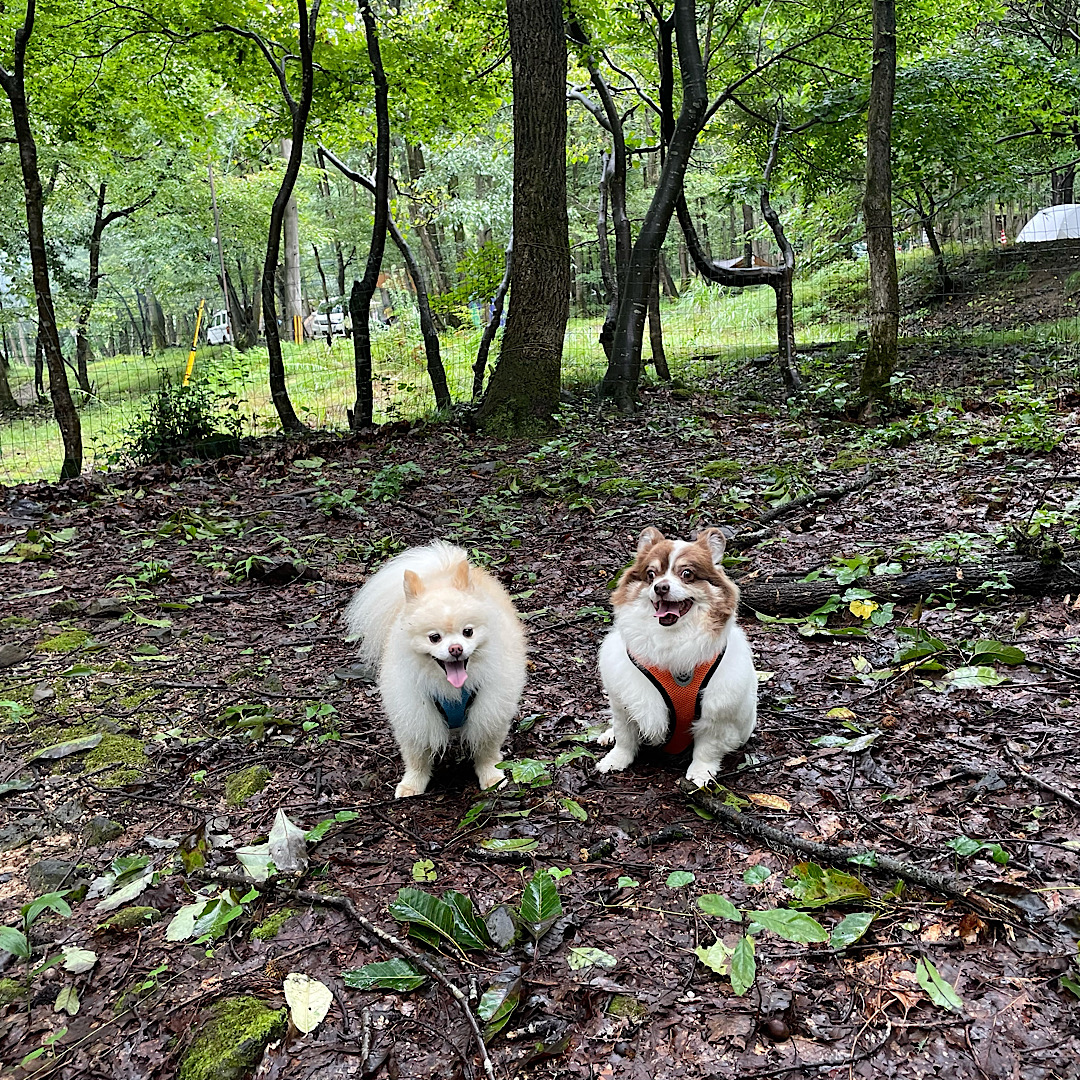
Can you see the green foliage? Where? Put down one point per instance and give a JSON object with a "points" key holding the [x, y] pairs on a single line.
{"points": [[480, 272], [184, 421]]}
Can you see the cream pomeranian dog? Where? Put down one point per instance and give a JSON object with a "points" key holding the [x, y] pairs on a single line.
{"points": [[449, 649], [676, 667]]}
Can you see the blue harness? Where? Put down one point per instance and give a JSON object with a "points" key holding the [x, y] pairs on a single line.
{"points": [[455, 713]]}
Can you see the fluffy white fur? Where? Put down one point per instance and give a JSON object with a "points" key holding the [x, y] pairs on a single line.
{"points": [[639, 714], [427, 592]]}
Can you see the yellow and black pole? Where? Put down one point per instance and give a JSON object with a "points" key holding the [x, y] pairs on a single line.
{"points": [[298, 329], [194, 344]]}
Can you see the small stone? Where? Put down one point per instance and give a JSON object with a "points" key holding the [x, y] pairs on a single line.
{"points": [[243, 785], [48, 874], [105, 607], [776, 1030], [62, 609], [10, 655], [100, 830], [67, 813], [42, 692], [502, 926]]}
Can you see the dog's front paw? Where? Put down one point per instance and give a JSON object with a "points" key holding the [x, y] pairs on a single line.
{"points": [[614, 761], [490, 777], [411, 784], [702, 773], [606, 738]]}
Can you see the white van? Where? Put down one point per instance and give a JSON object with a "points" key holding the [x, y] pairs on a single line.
{"points": [[329, 319], [218, 331]]}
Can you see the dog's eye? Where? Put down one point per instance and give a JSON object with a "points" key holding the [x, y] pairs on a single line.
{"points": [[467, 632], [687, 575], [650, 574], [434, 638]]}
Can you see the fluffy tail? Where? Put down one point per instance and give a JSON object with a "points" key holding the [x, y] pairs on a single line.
{"points": [[371, 613]]}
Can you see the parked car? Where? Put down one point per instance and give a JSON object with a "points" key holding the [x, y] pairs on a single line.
{"points": [[218, 330], [329, 319]]}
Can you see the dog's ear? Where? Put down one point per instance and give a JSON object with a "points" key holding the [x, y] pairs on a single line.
{"points": [[716, 543], [460, 578], [649, 537], [413, 585]]}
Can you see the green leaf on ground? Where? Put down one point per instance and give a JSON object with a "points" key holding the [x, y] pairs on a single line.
{"points": [[790, 925], [394, 974], [715, 904], [937, 989]]}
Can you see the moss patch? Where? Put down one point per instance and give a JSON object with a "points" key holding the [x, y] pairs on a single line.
{"points": [[68, 641], [724, 469], [131, 918], [270, 926], [230, 1045], [11, 990], [627, 1006], [120, 750], [242, 785], [12, 622]]}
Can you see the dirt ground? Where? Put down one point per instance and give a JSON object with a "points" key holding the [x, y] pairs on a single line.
{"points": [[160, 609]]}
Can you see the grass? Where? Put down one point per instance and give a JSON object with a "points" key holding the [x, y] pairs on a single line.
{"points": [[708, 330]]}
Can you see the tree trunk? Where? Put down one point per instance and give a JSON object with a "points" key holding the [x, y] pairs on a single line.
{"points": [[748, 235], [621, 379], [294, 289], [494, 322], [656, 333], [39, 369], [300, 109], [362, 412], [877, 211], [414, 156], [926, 219], [666, 282], [67, 417], [82, 330], [157, 321], [8, 403], [525, 385]]}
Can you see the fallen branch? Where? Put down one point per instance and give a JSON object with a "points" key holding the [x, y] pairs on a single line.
{"points": [[840, 855], [784, 594], [344, 904], [1042, 785], [742, 540]]}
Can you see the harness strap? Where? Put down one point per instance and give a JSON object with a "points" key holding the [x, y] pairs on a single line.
{"points": [[455, 713], [680, 718]]}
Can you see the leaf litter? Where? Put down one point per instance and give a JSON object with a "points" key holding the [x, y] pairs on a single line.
{"points": [[697, 954]]}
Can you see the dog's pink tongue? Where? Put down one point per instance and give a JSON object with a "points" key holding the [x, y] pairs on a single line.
{"points": [[666, 607], [455, 672]]}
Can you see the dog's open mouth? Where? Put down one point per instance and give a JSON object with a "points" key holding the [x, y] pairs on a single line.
{"points": [[669, 612], [455, 671]]}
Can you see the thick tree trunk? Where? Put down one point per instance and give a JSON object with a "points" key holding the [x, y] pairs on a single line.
{"points": [[524, 387], [67, 417], [8, 404], [362, 412], [877, 210], [300, 109], [294, 289], [624, 368]]}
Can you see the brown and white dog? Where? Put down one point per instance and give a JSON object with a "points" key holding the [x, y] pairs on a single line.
{"points": [[676, 667]]}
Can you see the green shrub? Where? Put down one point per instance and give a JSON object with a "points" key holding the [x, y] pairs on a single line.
{"points": [[183, 421]]}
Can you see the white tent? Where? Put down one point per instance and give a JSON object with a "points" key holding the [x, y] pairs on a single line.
{"points": [[1053, 223]]}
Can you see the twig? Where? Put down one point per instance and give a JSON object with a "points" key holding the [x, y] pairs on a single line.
{"points": [[840, 854], [344, 904], [1034, 781], [746, 539]]}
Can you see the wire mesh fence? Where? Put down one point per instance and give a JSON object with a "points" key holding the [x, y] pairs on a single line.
{"points": [[997, 316]]}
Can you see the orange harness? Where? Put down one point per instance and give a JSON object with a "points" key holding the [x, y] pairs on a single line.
{"points": [[682, 696]]}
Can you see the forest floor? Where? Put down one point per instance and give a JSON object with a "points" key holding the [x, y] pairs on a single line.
{"points": [[150, 614]]}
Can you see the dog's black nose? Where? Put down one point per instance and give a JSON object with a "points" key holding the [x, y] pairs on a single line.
{"points": [[662, 588], [455, 651]]}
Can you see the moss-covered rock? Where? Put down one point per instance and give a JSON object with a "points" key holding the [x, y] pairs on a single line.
{"points": [[270, 926], [11, 990], [100, 830], [131, 918], [65, 642], [242, 785], [230, 1045], [128, 754], [628, 1007]]}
